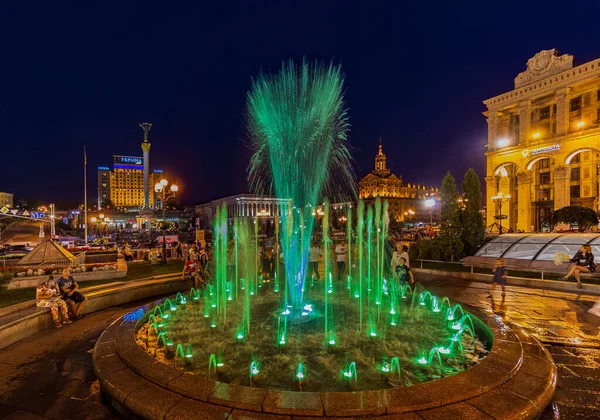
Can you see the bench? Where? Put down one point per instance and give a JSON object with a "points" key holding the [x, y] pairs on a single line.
{"points": [[26, 319]]}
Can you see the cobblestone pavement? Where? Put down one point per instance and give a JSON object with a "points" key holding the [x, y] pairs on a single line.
{"points": [[561, 322], [50, 375]]}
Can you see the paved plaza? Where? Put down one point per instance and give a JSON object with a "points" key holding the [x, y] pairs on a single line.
{"points": [[50, 375]]}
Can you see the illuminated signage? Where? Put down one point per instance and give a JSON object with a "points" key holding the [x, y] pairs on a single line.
{"points": [[129, 160], [545, 149], [158, 171], [103, 168]]}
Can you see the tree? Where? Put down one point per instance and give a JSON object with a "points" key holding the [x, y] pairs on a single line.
{"points": [[472, 226], [583, 217], [449, 205]]}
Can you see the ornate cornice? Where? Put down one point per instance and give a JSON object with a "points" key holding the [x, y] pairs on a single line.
{"points": [[544, 64]]}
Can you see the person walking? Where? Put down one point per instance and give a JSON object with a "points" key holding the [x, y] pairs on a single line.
{"points": [[127, 254], [314, 252], [583, 263], [48, 296], [500, 277], [403, 249], [341, 256], [179, 251]]}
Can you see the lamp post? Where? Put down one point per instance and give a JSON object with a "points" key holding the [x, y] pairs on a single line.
{"points": [[429, 203], [499, 199], [164, 194]]}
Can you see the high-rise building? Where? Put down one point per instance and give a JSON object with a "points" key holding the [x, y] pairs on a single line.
{"points": [[124, 185], [406, 201], [543, 142], [6, 200]]}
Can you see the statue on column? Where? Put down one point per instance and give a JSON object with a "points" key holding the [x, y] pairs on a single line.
{"points": [[146, 127]]}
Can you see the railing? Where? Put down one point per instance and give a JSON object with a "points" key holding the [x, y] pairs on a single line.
{"points": [[542, 273]]}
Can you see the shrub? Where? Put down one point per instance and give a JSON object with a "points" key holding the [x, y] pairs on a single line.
{"points": [[5, 278]]}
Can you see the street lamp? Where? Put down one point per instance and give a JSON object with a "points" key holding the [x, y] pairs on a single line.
{"points": [[161, 190], [429, 203], [499, 199]]}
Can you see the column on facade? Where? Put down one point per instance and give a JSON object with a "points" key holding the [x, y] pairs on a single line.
{"points": [[524, 219], [524, 121], [562, 184], [490, 188], [562, 111]]}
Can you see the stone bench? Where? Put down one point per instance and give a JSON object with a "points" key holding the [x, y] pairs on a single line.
{"points": [[25, 319]]}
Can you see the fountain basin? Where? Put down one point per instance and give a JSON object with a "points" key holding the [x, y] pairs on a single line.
{"points": [[516, 380]]}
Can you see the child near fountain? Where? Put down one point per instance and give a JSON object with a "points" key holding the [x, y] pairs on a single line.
{"points": [[500, 277]]}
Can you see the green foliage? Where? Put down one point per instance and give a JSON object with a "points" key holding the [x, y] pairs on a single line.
{"points": [[584, 217], [471, 221], [5, 278], [166, 225], [446, 247], [449, 205]]}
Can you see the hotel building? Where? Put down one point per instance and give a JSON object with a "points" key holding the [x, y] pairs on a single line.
{"points": [[543, 142], [124, 185], [406, 201]]}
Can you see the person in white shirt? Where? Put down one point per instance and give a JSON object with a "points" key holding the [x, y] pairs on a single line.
{"points": [[341, 256], [314, 252], [404, 254]]}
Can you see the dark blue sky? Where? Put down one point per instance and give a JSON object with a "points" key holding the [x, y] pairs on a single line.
{"points": [[75, 74]]}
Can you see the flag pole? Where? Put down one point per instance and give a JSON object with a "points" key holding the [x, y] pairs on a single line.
{"points": [[85, 223]]}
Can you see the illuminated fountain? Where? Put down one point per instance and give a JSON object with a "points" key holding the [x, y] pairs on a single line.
{"points": [[288, 330]]}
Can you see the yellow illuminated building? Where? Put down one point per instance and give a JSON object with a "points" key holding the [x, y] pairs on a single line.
{"points": [[544, 142], [406, 201], [124, 185]]}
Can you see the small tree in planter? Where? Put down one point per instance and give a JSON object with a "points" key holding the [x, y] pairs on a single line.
{"points": [[583, 217]]}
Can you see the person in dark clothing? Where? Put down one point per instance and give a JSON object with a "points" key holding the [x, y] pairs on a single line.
{"points": [[500, 277], [74, 299], [583, 263]]}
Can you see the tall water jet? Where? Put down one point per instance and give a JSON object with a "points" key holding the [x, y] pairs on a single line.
{"points": [[298, 125]]}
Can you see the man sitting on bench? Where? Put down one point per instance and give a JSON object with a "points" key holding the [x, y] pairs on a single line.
{"points": [[68, 286]]}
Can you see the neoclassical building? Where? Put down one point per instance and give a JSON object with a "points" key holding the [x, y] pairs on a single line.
{"points": [[403, 198], [544, 141]]}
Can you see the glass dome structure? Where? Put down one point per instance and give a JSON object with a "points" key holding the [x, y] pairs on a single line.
{"points": [[538, 246]]}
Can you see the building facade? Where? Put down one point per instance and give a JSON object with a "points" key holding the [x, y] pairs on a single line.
{"points": [[406, 201], [543, 142], [241, 205], [124, 185], [6, 200]]}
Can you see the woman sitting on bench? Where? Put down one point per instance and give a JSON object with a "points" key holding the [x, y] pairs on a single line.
{"points": [[48, 296], [584, 263]]}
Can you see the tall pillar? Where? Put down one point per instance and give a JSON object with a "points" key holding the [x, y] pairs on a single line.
{"points": [[492, 122], [524, 190], [562, 111], [562, 190], [524, 122], [146, 150], [490, 187]]}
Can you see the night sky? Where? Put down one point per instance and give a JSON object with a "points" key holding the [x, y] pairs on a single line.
{"points": [[76, 74]]}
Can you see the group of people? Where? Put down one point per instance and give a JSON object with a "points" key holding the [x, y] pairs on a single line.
{"points": [[61, 296], [196, 266], [582, 262]]}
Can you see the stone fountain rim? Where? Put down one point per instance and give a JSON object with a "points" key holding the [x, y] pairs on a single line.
{"points": [[120, 364]]}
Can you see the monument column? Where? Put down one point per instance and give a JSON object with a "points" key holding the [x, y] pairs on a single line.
{"points": [[562, 190], [525, 180], [146, 149]]}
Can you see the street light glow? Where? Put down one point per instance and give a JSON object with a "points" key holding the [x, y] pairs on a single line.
{"points": [[503, 142], [536, 135], [430, 202], [164, 182]]}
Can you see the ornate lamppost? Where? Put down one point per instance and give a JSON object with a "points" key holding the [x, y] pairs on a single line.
{"points": [[164, 194], [500, 199]]}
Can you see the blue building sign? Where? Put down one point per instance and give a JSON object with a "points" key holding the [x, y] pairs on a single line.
{"points": [[129, 160], [158, 171], [103, 168]]}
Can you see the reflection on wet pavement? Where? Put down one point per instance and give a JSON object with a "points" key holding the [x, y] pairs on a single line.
{"points": [[561, 322]]}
